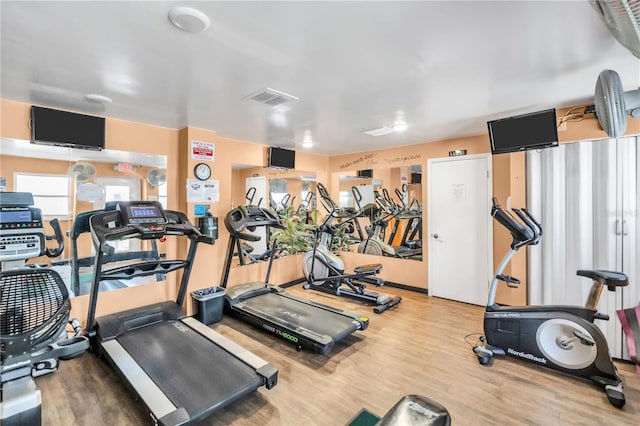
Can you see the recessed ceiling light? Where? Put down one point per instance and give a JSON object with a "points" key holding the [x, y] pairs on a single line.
{"points": [[98, 99], [399, 126], [307, 140], [189, 19], [380, 131]]}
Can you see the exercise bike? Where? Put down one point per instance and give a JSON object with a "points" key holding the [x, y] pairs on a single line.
{"points": [[324, 270], [562, 338], [34, 310]]}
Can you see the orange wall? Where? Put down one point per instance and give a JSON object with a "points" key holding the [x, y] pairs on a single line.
{"points": [[123, 135]]}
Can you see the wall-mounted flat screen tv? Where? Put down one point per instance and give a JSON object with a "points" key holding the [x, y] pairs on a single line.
{"points": [[365, 173], [282, 158], [62, 128], [522, 132]]}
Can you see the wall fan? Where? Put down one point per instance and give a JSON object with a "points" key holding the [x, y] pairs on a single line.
{"points": [[156, 177], [613, 103], [622, 17], [82, 171]]}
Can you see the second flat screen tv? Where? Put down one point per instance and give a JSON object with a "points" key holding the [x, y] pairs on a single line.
{"points": [[282, 158], [523, 132]]}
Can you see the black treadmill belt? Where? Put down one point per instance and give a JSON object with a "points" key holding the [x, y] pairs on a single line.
{"points": [[299, 314], [192, 371]]}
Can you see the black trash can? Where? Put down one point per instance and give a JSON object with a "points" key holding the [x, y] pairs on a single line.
{"points": [[208, 304]]}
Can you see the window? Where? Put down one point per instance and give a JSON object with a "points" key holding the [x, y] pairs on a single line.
{"points": [[50, 192], [162, 195], [278, 188], [346, 199]]}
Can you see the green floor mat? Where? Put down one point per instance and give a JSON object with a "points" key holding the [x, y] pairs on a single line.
{"points": [[364, 418]]}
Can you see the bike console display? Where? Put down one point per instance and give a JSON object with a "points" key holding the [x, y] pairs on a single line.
{"points": [[21, 233]]}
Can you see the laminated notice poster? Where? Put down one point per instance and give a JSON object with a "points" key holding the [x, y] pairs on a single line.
{"points": [[198, 191]]}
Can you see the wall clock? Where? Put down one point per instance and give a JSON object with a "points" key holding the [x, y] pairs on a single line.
{"points": [[202, 171]]}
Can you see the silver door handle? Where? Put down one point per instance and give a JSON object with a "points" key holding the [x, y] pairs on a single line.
{"points": [[625, 231], [618, 231]]}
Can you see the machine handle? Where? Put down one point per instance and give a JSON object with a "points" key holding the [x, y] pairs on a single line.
{"points": [[400, 196], [285, 201], [251, 192], [528, 222], [357, 196], [322, 190], [58, 237], [521, 233], [625, 231], [534, 220], [618, 231]]}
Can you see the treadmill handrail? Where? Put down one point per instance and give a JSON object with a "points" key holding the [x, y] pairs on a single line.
{"points": [[107, 226]]}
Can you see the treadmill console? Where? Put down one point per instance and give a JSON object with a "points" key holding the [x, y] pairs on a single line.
{"points": [[146, 217], [21, 233], [142, 213], [143, 220], [248, 217]]}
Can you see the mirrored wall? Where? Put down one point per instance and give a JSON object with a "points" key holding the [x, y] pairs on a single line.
{"points": [[287, 192], [68, 183], [387, 203]]}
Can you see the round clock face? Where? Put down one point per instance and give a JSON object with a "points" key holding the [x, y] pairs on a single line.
{"points": [[202, 171]]}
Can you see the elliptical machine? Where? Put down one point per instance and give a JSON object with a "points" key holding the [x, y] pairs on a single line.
{"points": [[324, 270], [34, 310], [562, 338]]}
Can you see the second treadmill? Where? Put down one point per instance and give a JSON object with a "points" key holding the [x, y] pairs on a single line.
{"points": [[306, 324]]}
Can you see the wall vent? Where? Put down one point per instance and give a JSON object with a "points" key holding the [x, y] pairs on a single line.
{"points": [[379, 131], [270, 97]]}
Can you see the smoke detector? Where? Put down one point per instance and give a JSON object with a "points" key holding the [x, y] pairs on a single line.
{"points": [[270, 97], [189, 19]]}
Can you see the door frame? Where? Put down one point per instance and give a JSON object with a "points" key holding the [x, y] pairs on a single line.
{"points": [[431, 209]]}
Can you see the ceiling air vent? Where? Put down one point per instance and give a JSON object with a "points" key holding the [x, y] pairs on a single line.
{"points": [[379, 131], [270, 97]]}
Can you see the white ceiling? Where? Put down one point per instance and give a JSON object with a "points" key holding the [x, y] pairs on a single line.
{"points": [[448, 67]]}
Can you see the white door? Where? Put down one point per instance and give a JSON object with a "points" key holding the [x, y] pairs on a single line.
{"points": [[460, 228], [261, 197]]}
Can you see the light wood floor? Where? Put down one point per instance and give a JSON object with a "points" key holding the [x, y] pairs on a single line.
{"points": [[418, 348]]}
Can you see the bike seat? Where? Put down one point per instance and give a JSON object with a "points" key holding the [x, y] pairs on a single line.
{"points": [[371, 267], [611, 279]]}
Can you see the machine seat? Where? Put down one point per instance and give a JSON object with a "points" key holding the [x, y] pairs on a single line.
{"points": [[611, 279]]}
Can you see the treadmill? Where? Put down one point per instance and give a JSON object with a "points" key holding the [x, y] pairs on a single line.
{"points": [[180, 369], [306, 324]]}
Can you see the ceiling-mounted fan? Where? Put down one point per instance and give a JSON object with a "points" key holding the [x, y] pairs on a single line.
{"points": [[622, 17], [613, 103]]}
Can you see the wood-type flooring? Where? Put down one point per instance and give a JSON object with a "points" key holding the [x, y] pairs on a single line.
{"points": [[417, 348]]}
